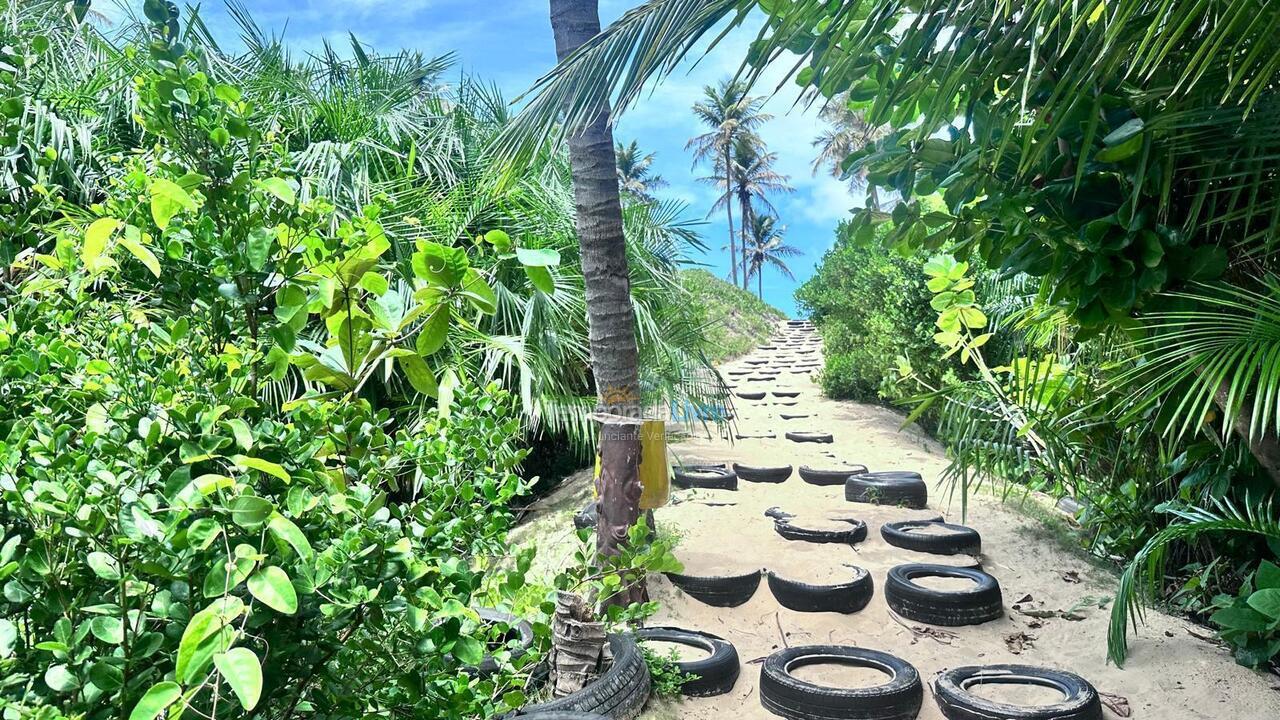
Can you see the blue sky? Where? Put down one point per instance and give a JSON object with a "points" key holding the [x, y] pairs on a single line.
{"points": [[509, 43]]}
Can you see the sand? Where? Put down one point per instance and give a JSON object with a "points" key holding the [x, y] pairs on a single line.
{"points": [[1170, 674]]}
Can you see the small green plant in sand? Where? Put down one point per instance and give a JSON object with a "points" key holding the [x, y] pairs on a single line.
{"points": [[664, 673]]}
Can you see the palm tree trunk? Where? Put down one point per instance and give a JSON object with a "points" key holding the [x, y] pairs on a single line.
{"points": [[610, 315], [745, 199], [760, 282], [728, 209]]}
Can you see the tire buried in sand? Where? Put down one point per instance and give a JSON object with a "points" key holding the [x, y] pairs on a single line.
{"points": [[718, 590], [951, 540], [781, 693], [713, 675], [619, 693], [894, 487], [709, 477], [752, 473], [975, 604], [838, 476], [795, 530], [805, 436], [952, 691], [845, 597]]}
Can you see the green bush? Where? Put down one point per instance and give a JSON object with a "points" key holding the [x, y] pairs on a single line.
{"points": [[872, 307]]}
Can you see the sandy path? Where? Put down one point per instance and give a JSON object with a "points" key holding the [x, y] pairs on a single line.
{"points": [[1170, 675]]}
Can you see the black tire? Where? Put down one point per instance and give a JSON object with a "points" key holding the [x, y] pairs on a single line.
{"points": [[756, 436], [777, 513], [958, 540], [718, 591], [563, 715], [951, 690], [972, 606], [791, 530], [619, 693], [751, 395], [896, 487], [846, 597], [712, 675], [586, 517], [763, 474], [807, 436], [814, 476], [783, 694], [793, 416], [786, 393], [711, 477]]}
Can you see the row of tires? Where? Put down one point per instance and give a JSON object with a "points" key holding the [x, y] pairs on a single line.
{"points": [[941, 538], [978, 602], [891, 487], [621, 691]]}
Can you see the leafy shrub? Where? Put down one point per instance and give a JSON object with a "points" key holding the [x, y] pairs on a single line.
{"points": [[664, 673], [1250, 621], [872, 307]]}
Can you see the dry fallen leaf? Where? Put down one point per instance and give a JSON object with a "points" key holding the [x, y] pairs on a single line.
{"points": [[1117, 703], [1019, 641]]}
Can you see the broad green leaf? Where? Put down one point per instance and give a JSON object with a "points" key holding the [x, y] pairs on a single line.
{"points": [[499, 240], [204, 625], [95, 242], [1123, 133], [375, 283], [468, 650], [1266, 602], [8, 637], [439, 264], [211, 483], [266, 466], [284, 528], [103, 565], [227, 93], [240, 430], [420, 376], [258, 245], [541, 279], [108, 629], [538, 257], [203, 532], [1240, 618], [226, 575], [243, 673], [168, 199], [477, 290], [271, 586], [106, 676], [1268, 576], [280, 188], [250, 510], [434, 333], [131, 240], [158, 697], [60, 679]]}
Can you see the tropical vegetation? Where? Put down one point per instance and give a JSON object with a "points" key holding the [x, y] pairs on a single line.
{"points": [[1106, 161]]}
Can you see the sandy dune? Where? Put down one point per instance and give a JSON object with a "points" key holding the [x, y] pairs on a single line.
{"points": [[1170, 675]]}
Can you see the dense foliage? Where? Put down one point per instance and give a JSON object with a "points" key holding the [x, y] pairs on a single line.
{"points": [[872, 307], [271, 334]]}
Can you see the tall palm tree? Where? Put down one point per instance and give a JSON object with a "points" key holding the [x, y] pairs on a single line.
{"points": [[767, 248], [733, 117], [750, 180], [611, 319], [848, 132], [635, 171]]}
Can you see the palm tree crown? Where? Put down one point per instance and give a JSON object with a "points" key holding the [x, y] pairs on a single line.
{"points": [[635, 172], [733, 117], [767, 248]]}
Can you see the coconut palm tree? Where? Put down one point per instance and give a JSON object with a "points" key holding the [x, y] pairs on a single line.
{"points": [[751, 180], [767, 248], [848, 132], [611, 318], [732, 117], [635, 172]]}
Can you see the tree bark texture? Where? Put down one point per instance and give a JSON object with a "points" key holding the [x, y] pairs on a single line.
{"points": [[610, 316], [728, 209], [1265, 447]]}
